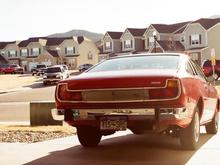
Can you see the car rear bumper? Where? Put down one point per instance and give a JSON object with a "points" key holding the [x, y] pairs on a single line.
{"points": [[165, 116]]}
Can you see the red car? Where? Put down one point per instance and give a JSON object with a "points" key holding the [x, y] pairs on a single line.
{"points": [[7, 69], [208, 68], [146, 93]]}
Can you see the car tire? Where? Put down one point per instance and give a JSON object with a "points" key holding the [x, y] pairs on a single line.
{"points": [[189, 136], [88, 136], [212, 127]]}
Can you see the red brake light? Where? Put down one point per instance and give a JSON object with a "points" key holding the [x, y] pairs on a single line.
{"points": [[65, 95], [170, 91]]}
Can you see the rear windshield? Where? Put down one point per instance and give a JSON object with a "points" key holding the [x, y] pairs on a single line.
{"points": [[138, 62], [207, 63], [53, 70], [13, 65], [41, 66]]}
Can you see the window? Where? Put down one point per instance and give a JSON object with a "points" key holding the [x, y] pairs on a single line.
{"points": [[195, 39], [108, 46], [182, 39], [24, 52], [70, 50], [90, 56], [35, 51], [150, 41], [12, 53], [128, 44]]}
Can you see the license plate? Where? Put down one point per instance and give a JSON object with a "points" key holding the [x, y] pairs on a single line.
{"points": [[113, 123]]}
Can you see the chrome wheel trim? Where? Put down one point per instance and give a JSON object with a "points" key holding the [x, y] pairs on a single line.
{"points": [[216, 120], [196, 127]]}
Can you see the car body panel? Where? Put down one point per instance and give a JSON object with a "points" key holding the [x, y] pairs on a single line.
{"points": [[193, 91]]}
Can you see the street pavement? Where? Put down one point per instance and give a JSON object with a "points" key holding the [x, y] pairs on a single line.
{"points": [[123, 148]]}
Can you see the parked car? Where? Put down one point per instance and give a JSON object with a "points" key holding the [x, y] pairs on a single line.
{"points": [[54, 74], [7, 69], [66, 69], [39, 69], [17, 68], [146, 93], [208, 68], [84, 67]]}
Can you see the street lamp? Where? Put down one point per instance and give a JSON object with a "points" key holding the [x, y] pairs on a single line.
{"points": [[155, 40]]}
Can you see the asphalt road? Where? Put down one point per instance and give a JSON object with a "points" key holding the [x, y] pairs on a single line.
{"points": [[123, 148], [37, 92]]}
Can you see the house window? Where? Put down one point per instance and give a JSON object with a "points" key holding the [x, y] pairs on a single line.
{"points": [[182, 39], [12, 53], [108, 46], [70, 50], [128, 44], [195, 39], [90, 56], [150, 41], [24, 52], [35, 51]]}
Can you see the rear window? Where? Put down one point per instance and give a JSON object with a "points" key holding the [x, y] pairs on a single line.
{"points": [[207, 63], [53, 70], [138, 62], [41, 66]]}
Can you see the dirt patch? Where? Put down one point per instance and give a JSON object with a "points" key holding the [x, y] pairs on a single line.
{"points": [[26, 134]]}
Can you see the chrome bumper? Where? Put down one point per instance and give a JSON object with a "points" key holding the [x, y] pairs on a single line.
{"points": [[164, 114]]}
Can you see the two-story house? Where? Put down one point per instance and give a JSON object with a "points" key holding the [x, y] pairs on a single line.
{"points": [[111, 45], [161, 37], [132, 40], [32, 52], [73, 51], [200, 37]]}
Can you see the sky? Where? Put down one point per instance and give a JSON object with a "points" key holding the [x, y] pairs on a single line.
{"points": [[21, 19]]}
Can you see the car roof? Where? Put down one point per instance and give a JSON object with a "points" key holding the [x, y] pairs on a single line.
{"points": [[149, 54]]}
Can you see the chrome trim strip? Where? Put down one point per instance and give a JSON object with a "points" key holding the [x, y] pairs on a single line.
{"points": [[115, 101]]}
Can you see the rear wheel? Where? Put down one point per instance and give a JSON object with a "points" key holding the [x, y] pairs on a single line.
{"points": [[212, 127], [88, 136], [189, 136]]}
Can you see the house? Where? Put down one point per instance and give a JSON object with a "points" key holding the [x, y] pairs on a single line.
{"points": [[132, 40], [111, 45], [200, 37], [72, 51], [166, 36]]}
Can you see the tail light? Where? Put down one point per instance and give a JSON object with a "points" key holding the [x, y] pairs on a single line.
{"points": [[171, 90], [65, 95]]}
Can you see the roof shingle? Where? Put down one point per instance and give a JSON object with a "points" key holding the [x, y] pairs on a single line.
{"points": [[137, 32], [115, 35]]}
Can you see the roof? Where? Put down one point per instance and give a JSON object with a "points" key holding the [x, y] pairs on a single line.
{"points": [[207, 22], [137, 32], [171, 45], [3, 60], [4, 44], [56, 41], [25, 43], [115, 35], [197, 48], [54, 53], [80, 39], [169, 28]]}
